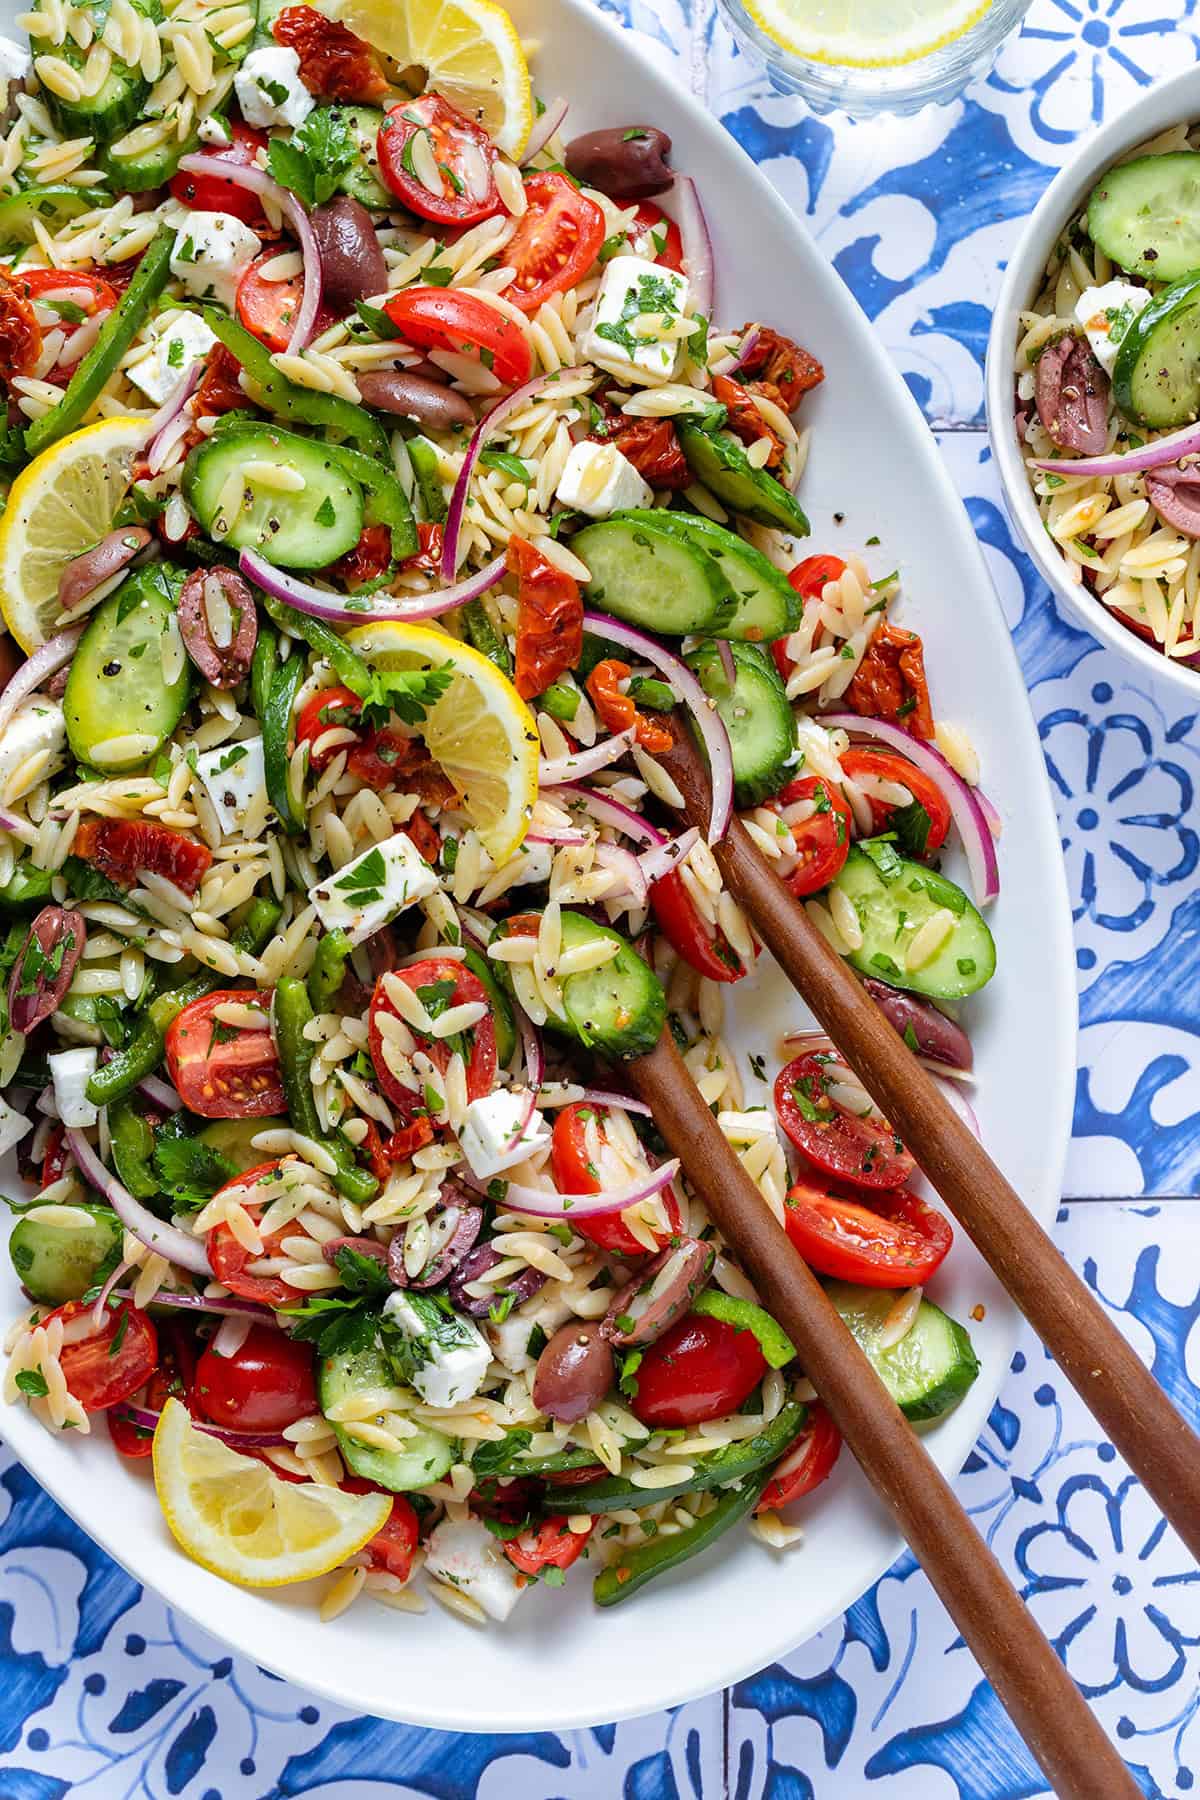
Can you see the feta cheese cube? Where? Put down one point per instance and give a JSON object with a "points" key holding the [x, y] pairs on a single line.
{"points": [[211, 251], [269, 89], [365, 894], [488, 1127], [464, 1554], [213, 130], [510, 1338], [15, 60], [442, 1355], [1106, 313], [600, 481], [12, 1127], [70, 1071], [636, 298], [184, 341], [234, 775], [36, 725]]}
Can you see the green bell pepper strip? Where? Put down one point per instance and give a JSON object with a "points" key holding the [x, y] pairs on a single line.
{"points": [[424, 459], [346, 663], [290, 1014], [560, 701], [276, 725], [503, 1018], [262, 667], [743, 1315], [145, 1050], [486, 638], [634, 1568], [644, 690], [299, 406], [116, 335], [557, 1463], [733, 1463], [386, 502], [132, 1143], [328, 969]]}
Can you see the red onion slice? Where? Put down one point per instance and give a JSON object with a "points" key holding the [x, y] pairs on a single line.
{"points": [[18, 827], [627, 866], [603, 1097], [338, 610], [553, 772], [54, 654], [614, 813], [177, 1246], [170, 410], [535, 1069], [540, 1204], [160, 1092], [729, 365], [227, 1307], [1169, 449], [957, 1100], [544, 129], [965, 806], [708, 721], [556, 834], [146, 1420], [260, 183], [698, 261], [663, 858]]}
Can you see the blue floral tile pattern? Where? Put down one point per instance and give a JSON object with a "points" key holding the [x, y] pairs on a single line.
{"points": [[111, 1696]]}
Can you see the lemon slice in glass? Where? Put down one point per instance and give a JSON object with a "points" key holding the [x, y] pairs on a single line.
{"points": [[866, 34]]}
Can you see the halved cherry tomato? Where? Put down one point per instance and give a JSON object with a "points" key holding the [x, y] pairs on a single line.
{"points": [[174, 1378], [323, 711], [655, 238], [215, 192], [228, 1257], [394, 1545], [575, 1173], [111, 1364], [806, 1465], [222, 1071], [266, 1385], [704, 946], [441, 983], [896, 1242], [822, 840], [808, 578], [556, 241], [888, 765], [409, 1138], [444, 319], [381, 757], [464, 154], [219, 391], [90, 294], [700, 1369], [550, 1545], [122, 848], [864, 1152], [269, 308], [549, 618], [55, 1157]]}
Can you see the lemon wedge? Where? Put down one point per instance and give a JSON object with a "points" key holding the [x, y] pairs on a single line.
{"points": [[233, 1516], [470, 52], [479, 730], [59, 507], [866, 34]]}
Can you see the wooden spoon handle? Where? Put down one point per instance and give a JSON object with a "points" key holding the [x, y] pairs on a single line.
{"points": [[1032, 1684], [1158, 1444]]}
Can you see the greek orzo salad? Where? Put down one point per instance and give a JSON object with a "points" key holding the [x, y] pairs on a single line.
{"points": [[385, 494]]}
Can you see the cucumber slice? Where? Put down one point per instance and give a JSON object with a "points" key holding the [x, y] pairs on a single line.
{"points": [[619, 1008], [268, 12], [929, 1370], [138, 171], [304, 530], [719, 460], [893, 898], [117, 688], [231, 1138], [1157, 374], [646, 573], [425, 1457], [1145, 215], [757, 715], [361, 180], [52, 207], [57, 1264], [768, 606]]}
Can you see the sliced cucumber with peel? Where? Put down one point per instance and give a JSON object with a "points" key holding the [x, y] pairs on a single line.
{"points": [[52, 207], [755, 712], [619, 1008], [1156, 378], [361, 180], [307, 529], [1145, 215], [56, 1263], [892, 899], [117, 688], [768, 606], [425, 1457], [719, 461], [929, 1370], [645, 572]]}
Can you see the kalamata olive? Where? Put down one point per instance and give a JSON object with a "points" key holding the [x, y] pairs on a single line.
{"points": [[430, 403], [474, 1267], [83, 574], [1174, 493], [453, 1231], [659, 1295], [362, 1246], [219, 625], [1072, 396], [43, 971], [10, 661], [574, 1372], [625, 162], [923, 1027], [352, 265]]}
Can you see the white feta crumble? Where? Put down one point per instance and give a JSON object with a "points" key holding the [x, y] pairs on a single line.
{"points": [[233, 775], [599, 480], [1106, 313], [464, 1554], [213, 130], [488, 1127], [12, 1127], [37, 724], [70, 1071], [363, 895], [269, 89], [509, 1338], [443, 1356], [185, 341], [636, 298], [15, 61], [211, 252]]}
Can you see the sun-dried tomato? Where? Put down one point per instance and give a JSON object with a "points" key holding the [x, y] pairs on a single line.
{"points": [[20, 333], [779, 369], [334, 64], [122, 848], [652, 446], [424, 837], [745, 420], [549, 618], [370, 558], [890, 682], [619, 712], [388, 759], [219, 391], [428, 559]]}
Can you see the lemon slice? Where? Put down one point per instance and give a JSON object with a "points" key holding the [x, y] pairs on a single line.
{"points": [[60, 506], [479, 730], [866, 34], [469, 50], [233, 1516]]}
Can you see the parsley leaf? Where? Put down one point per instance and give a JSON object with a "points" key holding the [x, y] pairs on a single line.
{"points": [[33, 1383], [497, 1457], [313, 160], [189, 1172], [409, 693], [364, 879], [361, 1274]]}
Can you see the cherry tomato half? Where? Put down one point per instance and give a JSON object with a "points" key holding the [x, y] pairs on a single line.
{"points": [[822, 840], [215, 192], [704, 946], [550, 1545], [896, 1242], [122, 848], [806, 1465], [656, 238], [266, 1385], [441, 983], [443, 319], [222, 1071], [228, 1256], [887, 765], [575, 1173], [394, 1545], [174, 1378], [863, 1152], [90, 294], [556, 241], [322, 712], [269, 308], [462, 152], [810, 577], [111, 1364], [700, 1369]]}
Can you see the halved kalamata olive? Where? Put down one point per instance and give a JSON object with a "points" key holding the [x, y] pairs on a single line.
{"points": [[474, 1267], [625, 162], [362, 1246], [1174, 493], [352, 265], [664, 1290], [43, 971], [925, 1030], [1072, 396], [10, 661], [430, 403], [219, 625], [453, 1231], [573, 1373], [83, 574]]}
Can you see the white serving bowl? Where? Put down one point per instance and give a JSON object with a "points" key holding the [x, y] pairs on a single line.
{"points": [[1166, 104]]}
